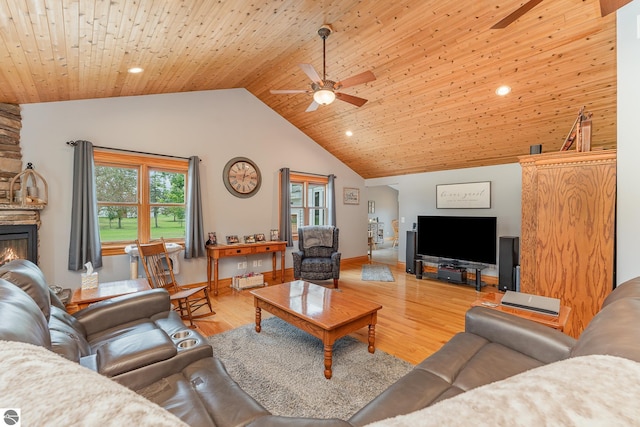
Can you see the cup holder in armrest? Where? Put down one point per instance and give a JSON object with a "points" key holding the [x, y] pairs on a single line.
{"points": [[181, 334], [188, 343]]}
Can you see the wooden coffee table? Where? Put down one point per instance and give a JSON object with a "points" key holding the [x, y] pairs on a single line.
{"points": [[82, 298], [324, 313]]}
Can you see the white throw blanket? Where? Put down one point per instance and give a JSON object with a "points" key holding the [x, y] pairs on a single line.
{"points": [[582, 391], [49, 390], [318, 236]]}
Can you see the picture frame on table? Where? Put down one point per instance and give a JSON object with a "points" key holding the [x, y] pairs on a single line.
{"points": [[274, 235], [232, 239], [212, 239], [351, 196], [260, 237], [251, 238]]}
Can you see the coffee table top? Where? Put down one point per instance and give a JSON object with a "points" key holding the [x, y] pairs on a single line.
{"points": [[325, 307]]}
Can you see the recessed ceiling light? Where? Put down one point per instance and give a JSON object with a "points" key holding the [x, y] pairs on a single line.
{"points": [[135, 70], [503, 90], [349, 133]]}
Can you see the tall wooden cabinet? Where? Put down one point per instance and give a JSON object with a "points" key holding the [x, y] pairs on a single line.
{"points": [[568, 230]]}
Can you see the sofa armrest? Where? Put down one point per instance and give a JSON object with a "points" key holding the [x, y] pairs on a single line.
{"points": [[525, 336], [123, 309], [133, 352]]}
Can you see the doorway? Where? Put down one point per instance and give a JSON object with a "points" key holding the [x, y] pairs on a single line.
{"points": [[383, 211]]}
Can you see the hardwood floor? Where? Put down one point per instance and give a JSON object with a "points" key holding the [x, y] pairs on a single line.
{"points": [[417, 318]]}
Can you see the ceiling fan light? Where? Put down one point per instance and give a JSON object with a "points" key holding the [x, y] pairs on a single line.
{"points": [[324, 96]]}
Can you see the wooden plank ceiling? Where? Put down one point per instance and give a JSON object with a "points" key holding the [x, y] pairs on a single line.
{"points": [[437, 63]]}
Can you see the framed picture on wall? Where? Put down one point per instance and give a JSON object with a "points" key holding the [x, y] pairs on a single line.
{"points": [[351, 196]]}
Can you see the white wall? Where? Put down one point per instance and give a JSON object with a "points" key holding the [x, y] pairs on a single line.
{"points": [[417, 196], [214, 125], [628, 209]]}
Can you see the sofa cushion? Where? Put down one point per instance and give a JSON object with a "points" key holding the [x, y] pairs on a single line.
{"points": [[613, 331], [28, 277], [20, 317], [204, 394], [465, 362]]}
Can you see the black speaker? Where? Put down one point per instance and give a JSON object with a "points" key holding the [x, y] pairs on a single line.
{"points": [[535, 149], [507, 263], [410, 255], [418, 269]]}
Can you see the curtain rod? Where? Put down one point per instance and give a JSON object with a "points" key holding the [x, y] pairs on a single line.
{"points": [[74, 143], [311, 173]]}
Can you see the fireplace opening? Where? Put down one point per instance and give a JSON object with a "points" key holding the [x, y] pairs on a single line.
{"points": [[18, 242]]}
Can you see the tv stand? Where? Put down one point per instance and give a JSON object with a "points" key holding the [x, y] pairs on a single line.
{"points": [[452, 273], [456, 272]]}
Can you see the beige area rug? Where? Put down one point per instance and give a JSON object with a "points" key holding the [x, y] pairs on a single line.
{"points": [[282, 367], [377, 273]]}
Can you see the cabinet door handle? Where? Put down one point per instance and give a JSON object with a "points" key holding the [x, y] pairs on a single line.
{"points": [[238, 251], [268, 248]]}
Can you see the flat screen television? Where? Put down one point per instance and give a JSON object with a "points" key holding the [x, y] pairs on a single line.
{"points": [[458, 238]]}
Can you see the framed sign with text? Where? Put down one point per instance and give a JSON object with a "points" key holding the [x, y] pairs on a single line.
{"points": [[471, 195]]}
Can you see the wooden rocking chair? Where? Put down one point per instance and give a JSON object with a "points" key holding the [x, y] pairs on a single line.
{"points": [[159, 271]]}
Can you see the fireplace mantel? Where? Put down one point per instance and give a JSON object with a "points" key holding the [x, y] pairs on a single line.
{"points": [[19, 215]]}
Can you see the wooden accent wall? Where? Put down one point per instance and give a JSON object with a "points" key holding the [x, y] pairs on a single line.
{"points": [[10, 154], [568, 230]]}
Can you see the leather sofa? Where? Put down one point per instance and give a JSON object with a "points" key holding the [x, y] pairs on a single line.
{"points": [[135, 340], [495, 348]]}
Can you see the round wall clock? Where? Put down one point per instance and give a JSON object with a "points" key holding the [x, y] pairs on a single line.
{"points": [[242, 177]]}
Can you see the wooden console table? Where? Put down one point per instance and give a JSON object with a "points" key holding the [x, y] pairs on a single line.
{"points": [[492, 300], [214, 253]]}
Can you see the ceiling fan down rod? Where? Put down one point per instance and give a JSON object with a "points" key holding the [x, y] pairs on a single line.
{"points": [[324, 32]]}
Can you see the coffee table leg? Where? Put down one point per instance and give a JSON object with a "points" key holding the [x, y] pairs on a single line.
{"points": [[328, 354], [372, 338], [258, 319]]}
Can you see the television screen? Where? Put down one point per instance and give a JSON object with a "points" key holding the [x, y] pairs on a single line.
{"points": [[460, 238]]}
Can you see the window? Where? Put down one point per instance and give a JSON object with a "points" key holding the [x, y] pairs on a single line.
{"points": [[139, 197], [308, 201]]}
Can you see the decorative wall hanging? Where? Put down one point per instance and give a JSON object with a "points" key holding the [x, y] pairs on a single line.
{"points": [[351, 196], [472, 195]]}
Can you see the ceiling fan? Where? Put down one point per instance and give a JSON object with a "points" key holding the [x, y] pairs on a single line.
{"points": [[326, 91], [606, 7]]}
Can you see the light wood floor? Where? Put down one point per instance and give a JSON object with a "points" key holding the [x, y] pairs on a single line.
{"points": [[417, 318]]}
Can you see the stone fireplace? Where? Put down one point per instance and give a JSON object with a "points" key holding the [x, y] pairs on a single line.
{"points": [[18, 234]]}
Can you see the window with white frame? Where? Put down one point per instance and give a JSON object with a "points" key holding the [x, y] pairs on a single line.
{"points": [[308, 201]]}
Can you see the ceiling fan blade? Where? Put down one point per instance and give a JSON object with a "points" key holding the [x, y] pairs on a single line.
{"points": [[358, 102], [276, 91], [358, 79], [609, 6], [312, 73], [312, 107], [516, 14]]}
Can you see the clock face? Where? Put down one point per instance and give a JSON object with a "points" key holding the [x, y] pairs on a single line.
{"points": [[241, 177]]}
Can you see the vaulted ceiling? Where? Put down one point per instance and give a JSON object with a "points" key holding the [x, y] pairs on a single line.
{"points": [[432, 107]]}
